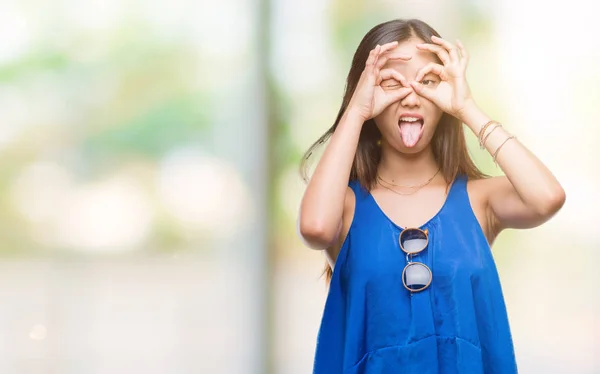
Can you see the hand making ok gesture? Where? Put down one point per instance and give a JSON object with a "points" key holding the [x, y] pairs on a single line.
{"points": [[451, 93]]}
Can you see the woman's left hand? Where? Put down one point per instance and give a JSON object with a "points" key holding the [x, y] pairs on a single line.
{"points": [[451, 93]]}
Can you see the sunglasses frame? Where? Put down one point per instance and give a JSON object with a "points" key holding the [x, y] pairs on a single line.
{"points": [[409, 257]]}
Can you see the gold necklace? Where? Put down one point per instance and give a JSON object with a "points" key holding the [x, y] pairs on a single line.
{"points": [[404, 186], [398, 192]]}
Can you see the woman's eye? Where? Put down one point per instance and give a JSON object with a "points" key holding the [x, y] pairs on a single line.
{"points": [[427, 82], [390, 84]]}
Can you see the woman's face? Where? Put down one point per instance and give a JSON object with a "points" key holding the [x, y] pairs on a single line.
{"points": [[408, 125]]}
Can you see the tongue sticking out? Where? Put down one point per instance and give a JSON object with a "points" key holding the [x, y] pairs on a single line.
{"points": [[411, 132]]}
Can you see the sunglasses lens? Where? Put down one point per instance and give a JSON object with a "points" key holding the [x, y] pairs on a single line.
{"points": [[413, 241], [417, 276]]}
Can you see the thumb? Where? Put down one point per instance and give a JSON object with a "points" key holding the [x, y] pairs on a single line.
{"points": [[426, 92]]}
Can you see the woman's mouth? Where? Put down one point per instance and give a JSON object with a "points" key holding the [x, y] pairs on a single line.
{"points": [[411, 129]]}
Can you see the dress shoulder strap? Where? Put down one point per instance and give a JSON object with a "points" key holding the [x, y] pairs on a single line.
{"points": [[458, 196], [359, 190], [361, 195]]}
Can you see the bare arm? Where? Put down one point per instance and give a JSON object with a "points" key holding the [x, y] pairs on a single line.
{"points": [[322, 207], [529, 194]]}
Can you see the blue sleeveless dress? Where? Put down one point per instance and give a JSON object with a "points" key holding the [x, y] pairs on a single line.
{"points": [[372, 325]]}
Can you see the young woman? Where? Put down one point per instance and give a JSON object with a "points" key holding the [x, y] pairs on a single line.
{"points": [[406, 219]]}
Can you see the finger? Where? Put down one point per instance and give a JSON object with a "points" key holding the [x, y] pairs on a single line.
{"points": [[372, 56], [377, 55], [431, 67], [463, 52], [439, 51], [382, 50], [391, 56], [452, 51], [392, 74], [421, 90], [397, 95], [386, 47]]}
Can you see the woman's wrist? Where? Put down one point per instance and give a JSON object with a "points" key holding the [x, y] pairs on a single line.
{"points": [[473, 117], [352, 116]]}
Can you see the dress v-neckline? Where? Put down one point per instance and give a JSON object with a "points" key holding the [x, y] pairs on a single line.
{"points": [[424, 225]]}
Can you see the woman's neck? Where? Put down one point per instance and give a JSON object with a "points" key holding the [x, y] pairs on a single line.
{"points": [[399, 167]]}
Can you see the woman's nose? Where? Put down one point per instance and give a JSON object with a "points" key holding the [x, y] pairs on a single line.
{"points": [[412, 100]]}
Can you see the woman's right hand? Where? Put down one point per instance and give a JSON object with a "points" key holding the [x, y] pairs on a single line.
{"points": [[369, 98]]}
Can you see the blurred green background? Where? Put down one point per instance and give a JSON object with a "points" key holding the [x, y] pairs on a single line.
{"points": [[149, 180]]}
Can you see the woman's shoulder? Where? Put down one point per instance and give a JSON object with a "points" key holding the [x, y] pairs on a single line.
{"points": [[481, 188], [477, 189]]}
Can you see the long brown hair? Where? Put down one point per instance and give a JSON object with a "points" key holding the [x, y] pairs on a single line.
{"points": [[448, 143]]}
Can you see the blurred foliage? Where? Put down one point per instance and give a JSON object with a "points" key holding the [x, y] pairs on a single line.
{"points": [[127, 95], [35, 61], [151, 132]]}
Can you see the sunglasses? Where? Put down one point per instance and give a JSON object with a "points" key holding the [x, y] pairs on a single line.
{"points": [[416, 276]]}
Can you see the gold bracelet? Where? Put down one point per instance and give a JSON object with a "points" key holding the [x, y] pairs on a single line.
{"points": [[482, 131], [488, 134], [500, 146]]}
